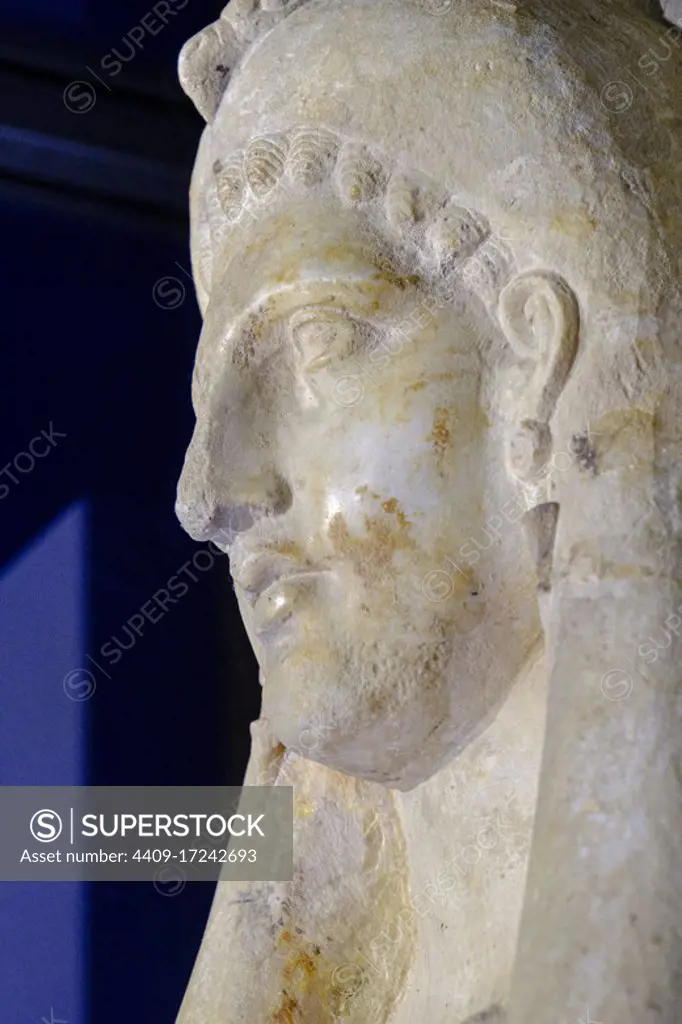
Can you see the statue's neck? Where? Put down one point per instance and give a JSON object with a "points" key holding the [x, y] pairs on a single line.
{"points": [[468, 833], [445, 873]]}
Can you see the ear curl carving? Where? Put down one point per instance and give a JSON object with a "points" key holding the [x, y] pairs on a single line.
{"points": [[540, 318]]}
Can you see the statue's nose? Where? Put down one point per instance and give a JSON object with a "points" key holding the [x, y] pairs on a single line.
{"points": [[225, 487], [198, 510], [197, 506]]}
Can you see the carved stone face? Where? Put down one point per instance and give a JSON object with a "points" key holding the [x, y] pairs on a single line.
{"points": [[353, 431], [349, 455]]}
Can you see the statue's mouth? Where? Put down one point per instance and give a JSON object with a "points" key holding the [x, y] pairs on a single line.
{"points": [[255, 571], [272, 586], [276, 604]]}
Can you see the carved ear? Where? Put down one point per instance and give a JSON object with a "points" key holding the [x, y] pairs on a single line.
{"points": [[540, 317]]}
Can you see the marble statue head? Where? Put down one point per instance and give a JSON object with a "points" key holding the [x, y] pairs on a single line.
{"points": [[425, 291]]}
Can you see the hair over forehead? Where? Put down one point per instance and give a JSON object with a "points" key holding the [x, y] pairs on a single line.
{"points": [[507, 111]]}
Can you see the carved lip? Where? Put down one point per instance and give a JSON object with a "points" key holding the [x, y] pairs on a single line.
{"points": [[276, 603], [272, 585], [260, 570]]}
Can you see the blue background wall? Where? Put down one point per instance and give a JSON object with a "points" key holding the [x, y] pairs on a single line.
{"points": [[89, 535]]}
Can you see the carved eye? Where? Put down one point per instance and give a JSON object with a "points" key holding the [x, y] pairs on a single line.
{"points": [[322, 336]]}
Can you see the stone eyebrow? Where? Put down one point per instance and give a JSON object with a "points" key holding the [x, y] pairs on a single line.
{"points": [[245, 327], [310, 312], [302, 310]]}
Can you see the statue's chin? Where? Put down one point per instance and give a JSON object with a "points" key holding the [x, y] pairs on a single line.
{"points": [[391, 708], [399, 748], [402, 771]]}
